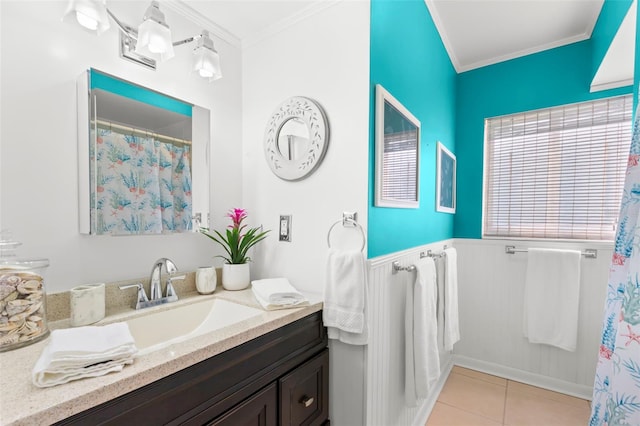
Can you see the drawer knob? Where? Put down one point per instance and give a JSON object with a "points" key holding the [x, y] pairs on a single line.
{"points": [[306, 401]]}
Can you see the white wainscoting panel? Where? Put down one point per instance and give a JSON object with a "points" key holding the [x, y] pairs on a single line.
{"points": [[491, 300], [385, 353]]}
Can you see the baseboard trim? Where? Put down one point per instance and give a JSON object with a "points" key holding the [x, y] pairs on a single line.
{"points": [[550, 383], [427, 406]]}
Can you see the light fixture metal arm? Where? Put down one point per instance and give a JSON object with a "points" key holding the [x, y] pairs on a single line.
{"points": [[124, 28], [186, 40]]}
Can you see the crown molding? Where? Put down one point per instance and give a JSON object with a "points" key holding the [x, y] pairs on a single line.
{"points": [[281, 25], [197, 18], [536, 49], [462, 67], [435, 16]]}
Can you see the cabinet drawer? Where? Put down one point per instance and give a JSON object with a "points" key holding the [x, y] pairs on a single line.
{"points": [[304, 393], [260, 409]]}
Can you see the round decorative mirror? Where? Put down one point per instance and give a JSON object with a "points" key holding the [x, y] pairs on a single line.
{"points": [[296, 138]]}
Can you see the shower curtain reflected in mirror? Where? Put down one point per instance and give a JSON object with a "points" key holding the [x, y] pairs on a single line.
{"points": [[616, 393], [142, 184]]}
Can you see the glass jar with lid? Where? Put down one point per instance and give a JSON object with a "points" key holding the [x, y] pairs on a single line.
{"points": [[22, 297]]}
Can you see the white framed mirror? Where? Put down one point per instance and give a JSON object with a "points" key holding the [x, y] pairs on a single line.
{"points": [[143, 159], [397, 140], [296, 138]]}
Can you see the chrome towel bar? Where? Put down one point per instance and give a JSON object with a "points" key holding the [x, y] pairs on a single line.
{"points": [[587, 253], [397, 267]]}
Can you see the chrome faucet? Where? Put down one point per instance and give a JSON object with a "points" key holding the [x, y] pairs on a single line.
{"points": [[156, 275], [156, 289]]}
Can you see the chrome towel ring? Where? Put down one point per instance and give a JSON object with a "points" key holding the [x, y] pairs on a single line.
{"points": [[347, 223]]}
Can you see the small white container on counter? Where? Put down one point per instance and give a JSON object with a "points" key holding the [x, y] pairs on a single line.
{"points": [[206, 279], [87, 304]]}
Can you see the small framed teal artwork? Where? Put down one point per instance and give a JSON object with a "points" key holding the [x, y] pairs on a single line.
{"points": [[445, 180]]}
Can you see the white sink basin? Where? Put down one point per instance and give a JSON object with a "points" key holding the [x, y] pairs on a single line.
{"points": [[163, 328]]}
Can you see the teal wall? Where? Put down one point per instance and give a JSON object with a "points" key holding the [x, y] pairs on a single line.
{"points": [[550, 78], [609, 20], [120, 87], [410, 61]]}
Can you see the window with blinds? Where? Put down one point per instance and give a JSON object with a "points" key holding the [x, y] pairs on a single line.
{"points": [[397, 136], [400, 166], [557, 173]]}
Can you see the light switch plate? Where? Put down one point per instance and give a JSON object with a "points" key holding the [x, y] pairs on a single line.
{"points": [[285, 228]]}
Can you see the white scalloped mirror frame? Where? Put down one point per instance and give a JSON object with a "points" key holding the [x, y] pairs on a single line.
{"points": [[303, 163]]}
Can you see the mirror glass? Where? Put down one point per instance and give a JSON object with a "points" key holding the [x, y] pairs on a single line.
{"points": [[296, 138], [143, 159], [397, 134], [293, 139]]}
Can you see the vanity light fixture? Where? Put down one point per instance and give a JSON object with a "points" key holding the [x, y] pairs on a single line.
{"points": [[151, 42], [90, 14], [206, 60], [154, 35]]}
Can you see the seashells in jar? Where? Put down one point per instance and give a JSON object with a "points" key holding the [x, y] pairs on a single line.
{"points": [[21, 308]]}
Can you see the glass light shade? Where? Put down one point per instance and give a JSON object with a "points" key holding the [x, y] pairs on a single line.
{"points": [[207, 63], [90, 14], [154, 40]]}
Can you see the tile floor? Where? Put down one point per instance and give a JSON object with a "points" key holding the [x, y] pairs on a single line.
{"points": [[471, 398]]}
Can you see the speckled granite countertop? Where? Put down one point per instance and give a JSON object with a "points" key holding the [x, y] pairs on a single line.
{"points": [[22, 403]]}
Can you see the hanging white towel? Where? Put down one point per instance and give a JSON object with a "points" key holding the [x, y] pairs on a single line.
{"points": [[81, 352], [345, 295], [451, 326], [277, 293], [422, 361], [551, 297]]}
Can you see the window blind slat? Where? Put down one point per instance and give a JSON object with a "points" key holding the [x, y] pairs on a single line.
{"points": [[558, 172], [399, 164]]}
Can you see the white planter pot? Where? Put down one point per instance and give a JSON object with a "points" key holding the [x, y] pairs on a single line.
{"points": [[206, 279], [236, 276]]}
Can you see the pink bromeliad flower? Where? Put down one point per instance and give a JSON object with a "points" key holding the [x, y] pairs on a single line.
{"points": [[237, 216], [237, 239]]}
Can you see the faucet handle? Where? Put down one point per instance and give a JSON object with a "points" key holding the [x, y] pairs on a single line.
{"points": [[170, 266], [142, 296], [171, 292]]}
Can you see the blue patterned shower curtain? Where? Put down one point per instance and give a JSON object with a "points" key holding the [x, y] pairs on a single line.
{"points": [[616, 393], [143, 186]]}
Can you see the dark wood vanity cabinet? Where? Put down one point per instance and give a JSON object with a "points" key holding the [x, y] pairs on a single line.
{"points": [[304, 393], [260, 409], [280, 378]]}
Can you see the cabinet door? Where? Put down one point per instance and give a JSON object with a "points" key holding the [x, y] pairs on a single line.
{"points": [[304, 393], [257, 410]]}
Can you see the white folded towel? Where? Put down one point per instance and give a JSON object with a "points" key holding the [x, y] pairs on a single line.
{"points": [[552, 293], [277, 293], [422, 361], [80, 352], [345, 295], [451, 326]]}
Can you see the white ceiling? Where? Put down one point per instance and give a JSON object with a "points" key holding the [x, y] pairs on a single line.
{"points": [[616, 69], [475, 33], [483, 32]]}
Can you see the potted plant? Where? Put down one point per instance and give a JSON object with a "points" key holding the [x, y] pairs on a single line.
{"points": [[236, 242]]}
